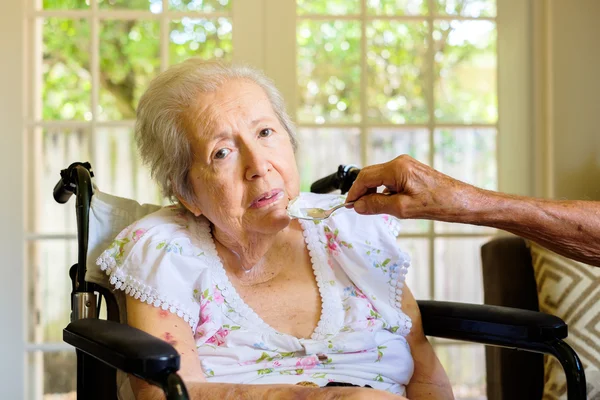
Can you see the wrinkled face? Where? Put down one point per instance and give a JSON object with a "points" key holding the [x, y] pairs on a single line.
{"points": [[244, 171]]}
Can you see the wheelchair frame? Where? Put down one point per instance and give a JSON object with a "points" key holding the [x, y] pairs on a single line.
{"points": [[104, 346]]}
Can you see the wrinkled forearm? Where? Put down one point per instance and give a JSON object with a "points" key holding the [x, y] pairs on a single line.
{"points": [[569, 228], [430, 392], [224, 391]]}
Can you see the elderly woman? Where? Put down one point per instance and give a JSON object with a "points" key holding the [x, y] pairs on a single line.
{"points": [[259, 305]]}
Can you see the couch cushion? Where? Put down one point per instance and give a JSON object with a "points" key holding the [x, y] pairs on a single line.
{"points": [[571, 291]]}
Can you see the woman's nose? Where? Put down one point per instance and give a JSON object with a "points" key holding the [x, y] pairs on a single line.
{"points": [[257, 163]]}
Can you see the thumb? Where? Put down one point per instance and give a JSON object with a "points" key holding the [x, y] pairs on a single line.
{"points": [[377, 203]]}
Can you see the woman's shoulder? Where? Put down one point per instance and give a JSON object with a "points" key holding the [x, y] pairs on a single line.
{"points": [[171, 229], [163, 259], [170, 224], [167, 221]]}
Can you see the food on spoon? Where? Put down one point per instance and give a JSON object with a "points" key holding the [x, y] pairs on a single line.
{"points": [[293, 210]]}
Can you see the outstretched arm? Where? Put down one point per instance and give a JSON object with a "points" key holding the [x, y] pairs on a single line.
{"points": [[570, 228]]}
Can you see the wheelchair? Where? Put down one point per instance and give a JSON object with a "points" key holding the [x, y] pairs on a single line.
{"points": [[105, 346]]}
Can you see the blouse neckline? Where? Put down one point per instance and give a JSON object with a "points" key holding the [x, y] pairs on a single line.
{"points": [[332, 315]]}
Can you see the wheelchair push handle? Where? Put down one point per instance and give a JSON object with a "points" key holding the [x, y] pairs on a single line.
{"points": [[77, 179], [68, 183], [342, 180], [63, 191]]}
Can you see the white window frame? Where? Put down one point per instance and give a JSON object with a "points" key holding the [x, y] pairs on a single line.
{"points": [[263, 35], [514, 139]]}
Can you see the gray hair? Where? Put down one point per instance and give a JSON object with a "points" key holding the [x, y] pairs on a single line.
{"points": [[163, 121]]}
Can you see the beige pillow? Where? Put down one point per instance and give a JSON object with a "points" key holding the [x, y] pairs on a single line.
{"points": [[571, 291]]}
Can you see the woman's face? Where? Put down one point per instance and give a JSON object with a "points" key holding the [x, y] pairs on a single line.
{"points": [[244, 171]]}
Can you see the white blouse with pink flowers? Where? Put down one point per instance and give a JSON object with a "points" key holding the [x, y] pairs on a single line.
{"points": [[169, 259]]}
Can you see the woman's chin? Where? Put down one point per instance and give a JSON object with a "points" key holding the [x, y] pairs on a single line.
{"points": [[280, 218], [274, 221]]}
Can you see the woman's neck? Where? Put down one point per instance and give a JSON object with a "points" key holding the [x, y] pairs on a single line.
{"points": [[248, 258]]}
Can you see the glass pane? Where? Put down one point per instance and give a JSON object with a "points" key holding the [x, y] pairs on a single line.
{"points": [[470, 156], [66, 80], [119, 170], [465, 366], [417, 277], [328, 7], [397, 72], [398, 7], [49, 292], [448, 227], [329, 71], [411, 226], [385, 144], [200, 5], [467, 8], [154, 6], [53, 375], [207, 39], [129, 59], [322, 150], [458, 269], [466, 74], [65, 4], [52, 151]]}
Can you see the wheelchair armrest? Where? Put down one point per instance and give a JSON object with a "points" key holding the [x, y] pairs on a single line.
{"points": [[494, 325], [123, 347]]}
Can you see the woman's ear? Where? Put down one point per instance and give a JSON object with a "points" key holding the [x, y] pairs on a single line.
{"points": [[194, 209]]}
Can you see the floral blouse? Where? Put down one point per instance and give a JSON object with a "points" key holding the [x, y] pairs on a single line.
{"points": [[169, 259]]}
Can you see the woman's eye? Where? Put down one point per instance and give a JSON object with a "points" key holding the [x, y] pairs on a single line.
{"points": [[219, 155], [266, 132]]}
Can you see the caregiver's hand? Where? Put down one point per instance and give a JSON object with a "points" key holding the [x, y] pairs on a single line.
{"points": [[568, 227], [412, 190]]}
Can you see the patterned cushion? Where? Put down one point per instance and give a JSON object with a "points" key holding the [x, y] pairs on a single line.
{"points": [[571, 291]]}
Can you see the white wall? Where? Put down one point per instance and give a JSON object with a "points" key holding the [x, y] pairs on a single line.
{"points": [[11, 210], [576, 81], [571, 91]]}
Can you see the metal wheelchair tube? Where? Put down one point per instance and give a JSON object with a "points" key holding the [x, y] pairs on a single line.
{"points": [[77, 179], [576, 383], [84, 306], [83, 177], [175, 388], [569, 361], [172, 385]]}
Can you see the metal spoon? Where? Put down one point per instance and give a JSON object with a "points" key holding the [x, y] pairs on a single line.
{"points": [[316, 214]]}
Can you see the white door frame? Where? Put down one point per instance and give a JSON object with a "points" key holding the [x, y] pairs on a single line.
{"points": [[12, 175], [515, 97]]}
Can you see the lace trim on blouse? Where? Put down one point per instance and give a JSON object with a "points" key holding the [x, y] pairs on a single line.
{"points": [[141, 291], [332, 314]]}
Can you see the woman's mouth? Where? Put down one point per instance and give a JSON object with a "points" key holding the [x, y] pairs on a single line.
{"points": [[267, 198]]}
